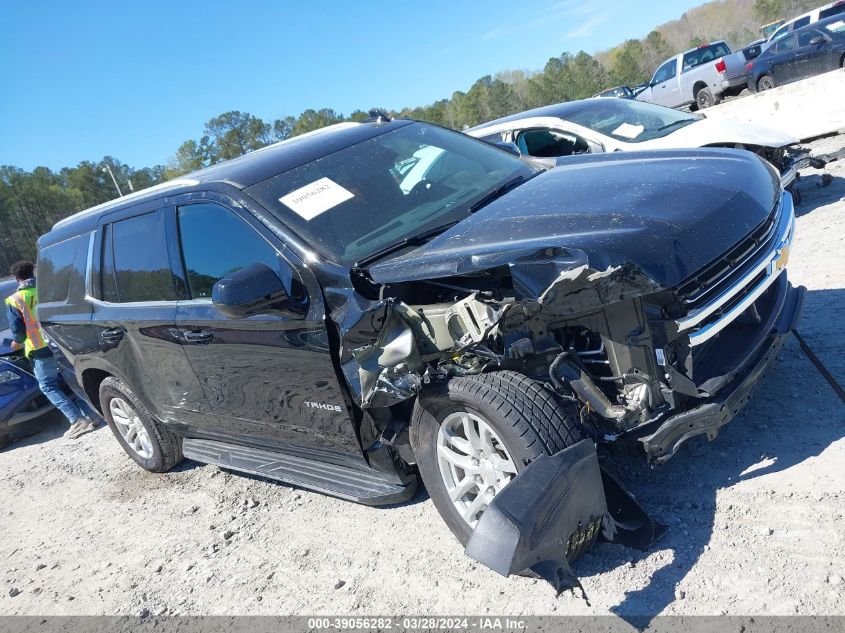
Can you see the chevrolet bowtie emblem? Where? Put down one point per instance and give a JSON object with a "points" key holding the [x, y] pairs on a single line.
{"points": [[780, 262]]}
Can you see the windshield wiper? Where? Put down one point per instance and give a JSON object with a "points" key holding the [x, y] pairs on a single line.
{"points": [[419, 238], [674, 123], [498, 192]]}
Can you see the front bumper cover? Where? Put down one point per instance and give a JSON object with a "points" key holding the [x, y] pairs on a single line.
{"points": [[708, 418]]}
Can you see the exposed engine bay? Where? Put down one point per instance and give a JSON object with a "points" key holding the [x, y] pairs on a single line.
{"points": [[627, 353]]}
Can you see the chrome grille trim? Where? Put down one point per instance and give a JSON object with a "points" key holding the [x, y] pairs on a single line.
{"points": [[768, 264], [710, 284]]}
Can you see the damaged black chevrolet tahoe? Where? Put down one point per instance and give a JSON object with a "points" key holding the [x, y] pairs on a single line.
{"points": [[371, 303]]}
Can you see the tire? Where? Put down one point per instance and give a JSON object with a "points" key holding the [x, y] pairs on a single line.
{"points": [[159, 450], [526, 418], [704, 98], [766, 82]]}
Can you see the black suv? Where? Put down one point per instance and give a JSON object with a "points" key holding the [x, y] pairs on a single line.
{"points": [[375, 301]]}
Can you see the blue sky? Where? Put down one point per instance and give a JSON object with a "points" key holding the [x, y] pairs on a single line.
{"points": [[134, 79]]}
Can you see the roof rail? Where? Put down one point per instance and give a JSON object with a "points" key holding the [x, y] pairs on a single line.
{"points": [[163, 186]]}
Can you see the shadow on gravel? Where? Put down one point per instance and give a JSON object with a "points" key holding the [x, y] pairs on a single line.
{"points": [[814, 194], [46, 428], [760, 441]]}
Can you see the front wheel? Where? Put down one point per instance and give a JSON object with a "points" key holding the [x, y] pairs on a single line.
{"points": [[144, 439], [472, 435]]}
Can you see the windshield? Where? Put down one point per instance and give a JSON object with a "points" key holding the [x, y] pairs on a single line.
{"points": [[357, 201], [630, 121]]}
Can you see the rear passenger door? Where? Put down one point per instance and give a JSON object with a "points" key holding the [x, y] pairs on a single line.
{"points": [[268, 377], [783, 60], [134, 301]]}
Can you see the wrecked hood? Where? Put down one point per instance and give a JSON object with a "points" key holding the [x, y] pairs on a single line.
{"points": [[658, 215], [713, 130]]}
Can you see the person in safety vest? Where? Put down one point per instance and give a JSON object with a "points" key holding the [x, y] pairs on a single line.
{"points": [[28, 335]]}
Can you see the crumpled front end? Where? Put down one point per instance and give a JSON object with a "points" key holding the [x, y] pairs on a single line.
{"points": [[656, 341]]}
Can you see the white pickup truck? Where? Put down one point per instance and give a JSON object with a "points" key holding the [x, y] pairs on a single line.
{"points": [[698, 76]]}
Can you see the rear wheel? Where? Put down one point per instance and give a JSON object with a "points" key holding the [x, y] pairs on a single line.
{"points": [[704, 98], [144, 439], [765, 83], [474, 434]]}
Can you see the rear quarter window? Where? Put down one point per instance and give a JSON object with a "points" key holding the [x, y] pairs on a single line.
{"points": [[61, 269]]}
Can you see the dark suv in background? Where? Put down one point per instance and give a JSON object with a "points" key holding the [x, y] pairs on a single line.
{"points": [[356, 306]]}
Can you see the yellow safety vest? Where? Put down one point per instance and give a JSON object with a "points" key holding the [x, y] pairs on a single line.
{"points": [[26, 302]]}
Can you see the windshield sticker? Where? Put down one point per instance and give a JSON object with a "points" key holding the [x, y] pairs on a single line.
{"points": [[627, 130], [318, 197]]}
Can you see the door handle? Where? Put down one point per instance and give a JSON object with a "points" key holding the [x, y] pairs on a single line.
{"points": [[112, 336], [198, 336]]}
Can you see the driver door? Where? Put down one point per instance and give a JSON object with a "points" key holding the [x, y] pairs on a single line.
{"points": [[810, 59], [665, 90], [269, 378]]}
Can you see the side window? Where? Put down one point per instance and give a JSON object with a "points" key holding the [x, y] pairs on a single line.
{"points": [[551, 143], [665, 72], [135, 264], [805, 36], [834, 10], [786, 44], [215, 243], [800, 22], [55, 268]]}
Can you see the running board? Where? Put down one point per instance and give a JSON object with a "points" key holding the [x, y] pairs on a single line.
{"points": [[367, 487]]}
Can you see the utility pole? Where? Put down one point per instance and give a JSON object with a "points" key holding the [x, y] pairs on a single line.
{"points": [[107, 169]]}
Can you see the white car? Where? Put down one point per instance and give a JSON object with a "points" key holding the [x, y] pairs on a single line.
{"points": [[609, 125], [811, 17]]}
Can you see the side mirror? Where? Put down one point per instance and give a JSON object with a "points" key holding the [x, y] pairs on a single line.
{"points": [[818, 40], [509, 147], [251, 290]]}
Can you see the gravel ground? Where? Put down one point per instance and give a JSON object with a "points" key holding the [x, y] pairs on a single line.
{"points": [[756, 515]]}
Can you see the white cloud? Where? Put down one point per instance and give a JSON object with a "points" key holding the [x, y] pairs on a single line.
{"points": [[585, 29], [548, 13]]}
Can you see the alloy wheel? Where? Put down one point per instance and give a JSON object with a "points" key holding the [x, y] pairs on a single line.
{"points": [[474, 463], [131, 428]]}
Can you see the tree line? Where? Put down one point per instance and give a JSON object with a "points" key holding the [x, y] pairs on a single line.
{"points": [[31, 202]]}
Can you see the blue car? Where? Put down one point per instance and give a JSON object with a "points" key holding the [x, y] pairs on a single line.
{"points": [[20, 398], [807, 51]]}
